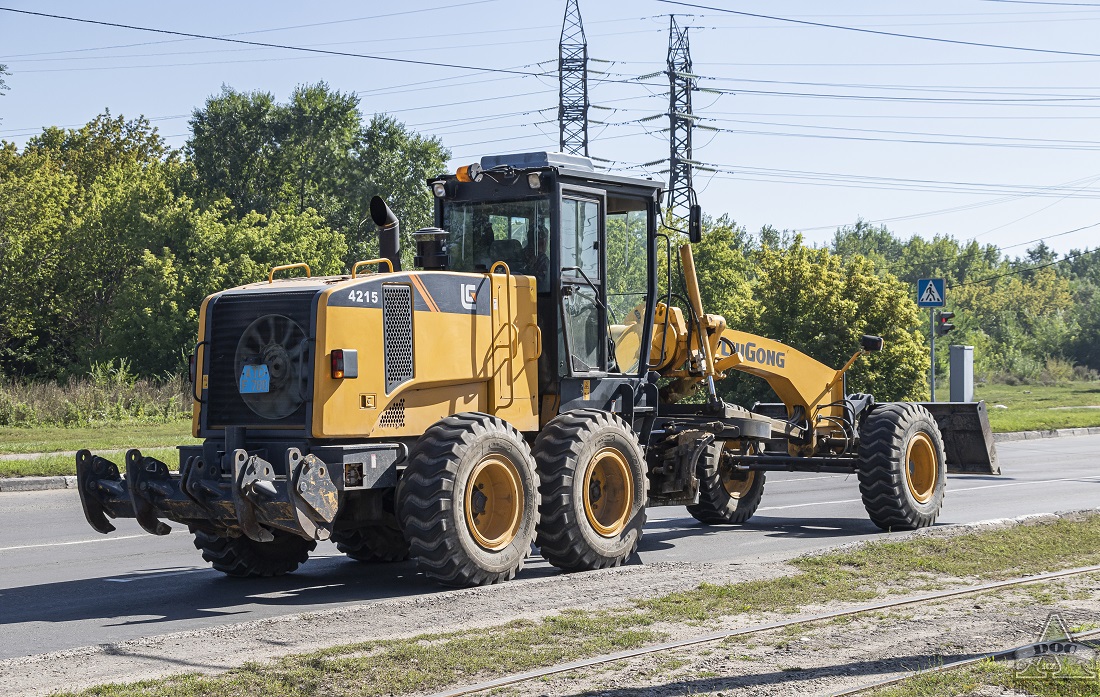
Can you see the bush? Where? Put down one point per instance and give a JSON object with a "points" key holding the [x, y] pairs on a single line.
{"points": [[109, 394]]}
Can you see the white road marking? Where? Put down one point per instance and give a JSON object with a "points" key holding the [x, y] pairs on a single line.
{"points": [[773, 482], [292, 592], [802, 505], [762, 508], [1041, 481], [74, 542], [952, 491]]}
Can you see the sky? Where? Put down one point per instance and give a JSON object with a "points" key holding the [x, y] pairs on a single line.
{"points": [[801, 126]]}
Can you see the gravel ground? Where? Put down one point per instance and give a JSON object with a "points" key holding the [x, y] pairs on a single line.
{"points": [[840, 654], [217, 649]]}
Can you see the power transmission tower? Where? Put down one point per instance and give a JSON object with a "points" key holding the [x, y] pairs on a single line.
{"points": [[573, 83], [681, 83]]}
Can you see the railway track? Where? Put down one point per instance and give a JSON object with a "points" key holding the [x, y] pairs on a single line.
{"points": [[995, 655], [518, 678]]}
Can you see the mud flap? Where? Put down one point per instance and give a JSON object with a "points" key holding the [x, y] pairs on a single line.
{"points": [[967, 437]]}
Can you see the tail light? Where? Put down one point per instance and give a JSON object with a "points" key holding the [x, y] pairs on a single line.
{"points": [[345, 364]]}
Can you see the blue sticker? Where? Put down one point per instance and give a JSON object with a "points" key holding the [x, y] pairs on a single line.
{"points": [[255, 379]]}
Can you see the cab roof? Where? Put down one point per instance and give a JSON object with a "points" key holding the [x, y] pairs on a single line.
{"points": [[573, 166]]}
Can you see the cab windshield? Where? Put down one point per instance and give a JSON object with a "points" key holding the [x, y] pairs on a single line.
{"points": [[515, 232]]}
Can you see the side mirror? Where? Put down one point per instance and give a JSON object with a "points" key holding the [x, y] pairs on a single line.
{"points": [[695, 223], [870, 343]]}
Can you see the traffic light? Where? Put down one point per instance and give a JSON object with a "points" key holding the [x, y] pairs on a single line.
{"points": [[943, 323]]}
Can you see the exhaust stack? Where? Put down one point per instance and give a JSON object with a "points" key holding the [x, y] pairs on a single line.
{"points": [[389, 231]]}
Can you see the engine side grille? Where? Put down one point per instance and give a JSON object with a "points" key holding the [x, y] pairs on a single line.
{"points": [[397, 331], [229, 317], [393, 416]]}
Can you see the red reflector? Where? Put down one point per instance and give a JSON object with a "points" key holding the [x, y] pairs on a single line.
{"points": [[338, 364], [191, 367]]}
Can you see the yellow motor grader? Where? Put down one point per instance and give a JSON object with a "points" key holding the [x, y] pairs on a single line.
{"points": [[527, 383]]}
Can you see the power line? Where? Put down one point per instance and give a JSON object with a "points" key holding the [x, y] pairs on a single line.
{"points": [[1046, 102], [1048, 237], [253, 31], [898, 35], [1036, 2], [304, 49], [1016, 272], [913, 141], [911, 133]]}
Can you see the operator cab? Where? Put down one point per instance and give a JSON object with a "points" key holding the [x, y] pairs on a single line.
{"points": [[588, 240]]}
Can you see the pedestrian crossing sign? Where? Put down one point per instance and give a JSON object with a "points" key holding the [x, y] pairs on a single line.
{"points": [[930, 292]]}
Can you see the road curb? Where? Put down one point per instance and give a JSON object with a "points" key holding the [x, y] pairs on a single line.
{"points": [[1036, 435], [47, 483], [36, 483]]}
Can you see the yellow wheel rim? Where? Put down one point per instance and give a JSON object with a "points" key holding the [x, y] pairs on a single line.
{"points": [[494, 502], [921, 467], [608, 492], [737, 488]]}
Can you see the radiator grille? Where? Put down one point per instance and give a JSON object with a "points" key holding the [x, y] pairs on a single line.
{"points": [[229, 316], [397, 330]]}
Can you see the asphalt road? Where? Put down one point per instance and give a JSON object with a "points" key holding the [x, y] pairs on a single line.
{"points": [[63, 586]]}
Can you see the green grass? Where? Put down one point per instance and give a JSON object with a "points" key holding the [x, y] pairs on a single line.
{"points": [[1030, 406], [431, 661], [48, 439], [59, 465], [965, 680]]}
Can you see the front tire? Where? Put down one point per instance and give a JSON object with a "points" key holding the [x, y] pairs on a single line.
{"points": [[902, 468], [242, 557], [594, 489], [725, 497], [468, 501]]}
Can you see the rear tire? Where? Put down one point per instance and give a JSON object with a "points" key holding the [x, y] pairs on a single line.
{"points": [[725, 497], [468, 501], [242, 557], [902, 468], [372, 544], [594, 489]]}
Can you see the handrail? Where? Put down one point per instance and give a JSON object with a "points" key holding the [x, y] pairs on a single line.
{"points": [[513, 330], [284, 267], [368, 262], [197, 382]]}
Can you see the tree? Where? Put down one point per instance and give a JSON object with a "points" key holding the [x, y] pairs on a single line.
{"points": [[394, 163], [234, 147], [313, 153], [875, 242], [35, 217], [154, 318], [3, 85], [78, 201]]}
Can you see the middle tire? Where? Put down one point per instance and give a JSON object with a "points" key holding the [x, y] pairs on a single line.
{"points": [[468, 500], [594, 489], [725, 497], [372, 544]]}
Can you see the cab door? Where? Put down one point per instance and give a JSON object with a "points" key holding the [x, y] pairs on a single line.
{"points": [[584, 335]]}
